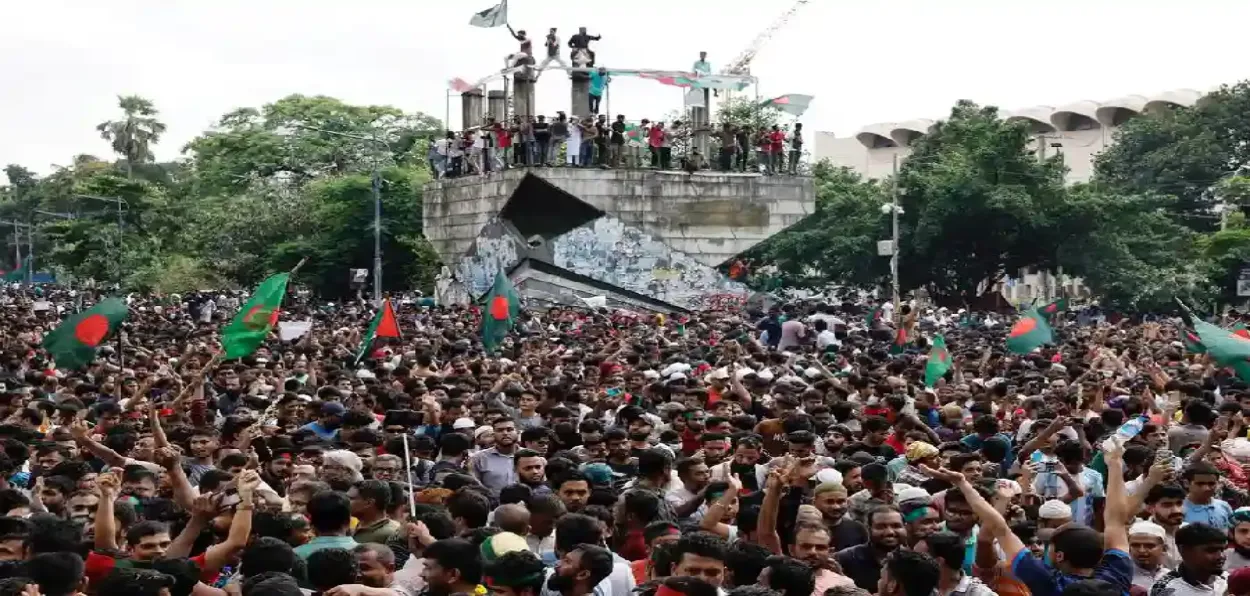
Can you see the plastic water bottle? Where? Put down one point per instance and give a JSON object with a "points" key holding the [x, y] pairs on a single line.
{"points": [[1128, 430]]}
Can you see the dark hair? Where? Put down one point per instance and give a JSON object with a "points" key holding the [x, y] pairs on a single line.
{"points": [[790, 576], [702, 544], [132, 581], [145, 528], [517, 569], [546, 504], [267, 554], [58, 574], [1199, 535], [1081, 546], [570, 476], [186, 574], [515, 493], [1091, 587], [377, 491], [458, 554], [690, 586], [745, 560], [329, 511], [1070, 452], [917, 573], [574, 529], [469, 505], [454, 444], [948, 548], [874, 424], [330, 567], [758, 590], [1159, 492], [1200, 468], [995, 448], [437, 522], [657, 529], [884, 509], [654, 461], [51, 534]]}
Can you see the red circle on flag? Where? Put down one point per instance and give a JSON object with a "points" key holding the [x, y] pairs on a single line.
{"points": [[91, 330], [259, 317], [1023, 326], [499, 308], [942, 355]]}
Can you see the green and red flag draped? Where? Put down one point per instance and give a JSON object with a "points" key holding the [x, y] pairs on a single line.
{"points": [[1055, 307], [502, 308], [74, 343], [939, 362], [18, 274], [794, 103], [1227, 347], [1029, 332], [1189, 337], [384, 325], [900, 341], [253, 322], [873, 316]]}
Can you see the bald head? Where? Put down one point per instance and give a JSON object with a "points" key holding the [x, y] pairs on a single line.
{"points": [[513, 517]]}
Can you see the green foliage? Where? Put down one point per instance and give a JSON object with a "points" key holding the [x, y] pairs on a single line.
{"points": [[263, 189], [741, 111], [976, 204]]}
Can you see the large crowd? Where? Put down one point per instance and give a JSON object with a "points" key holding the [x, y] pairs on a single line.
{"points": [[793, 452]]}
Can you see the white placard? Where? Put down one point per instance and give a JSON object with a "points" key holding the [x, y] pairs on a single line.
{"points": [[291, 330]]}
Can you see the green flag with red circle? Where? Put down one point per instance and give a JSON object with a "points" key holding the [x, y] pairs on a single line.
{"points": [[1029, 332], [383, 325], [500, 313], [939, 362], [74, 344], [253, 322]]}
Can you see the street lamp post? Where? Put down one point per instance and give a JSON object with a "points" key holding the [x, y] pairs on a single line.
{"points": [[376, 187]]}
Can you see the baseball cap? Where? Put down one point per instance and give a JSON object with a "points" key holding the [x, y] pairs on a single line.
{"points": [[333, 408]]}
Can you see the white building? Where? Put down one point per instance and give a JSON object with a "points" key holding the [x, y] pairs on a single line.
{"points": [[1077, 131]]}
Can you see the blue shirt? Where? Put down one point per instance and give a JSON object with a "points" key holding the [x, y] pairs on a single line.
{"points": [[975, 442], [321, 431], [597, 83], [1116, 568], [1217, 514]]}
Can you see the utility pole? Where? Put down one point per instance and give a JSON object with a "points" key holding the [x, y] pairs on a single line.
{"points": [[894, 199], [376, 184], [122, 205]]}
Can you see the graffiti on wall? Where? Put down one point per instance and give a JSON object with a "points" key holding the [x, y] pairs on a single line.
{"points": [[608, 250], [494, 250]]}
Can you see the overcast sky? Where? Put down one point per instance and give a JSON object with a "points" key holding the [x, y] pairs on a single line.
{"points": [[866, 61]]}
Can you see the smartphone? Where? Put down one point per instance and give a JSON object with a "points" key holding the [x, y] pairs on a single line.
{"points": [[613, 391], [1048, 467]]}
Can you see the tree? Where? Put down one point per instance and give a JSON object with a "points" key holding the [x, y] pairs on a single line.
{"points": [[132, 137], [976, 204]]}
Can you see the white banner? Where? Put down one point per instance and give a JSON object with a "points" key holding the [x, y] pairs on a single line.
{"points": [[292, 330]]}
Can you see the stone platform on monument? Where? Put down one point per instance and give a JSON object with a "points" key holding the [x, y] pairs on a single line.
{"points": [[643, 239]]}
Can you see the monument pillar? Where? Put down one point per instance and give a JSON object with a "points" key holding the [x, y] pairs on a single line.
{"points": [[497, 105], [523, 97], [471, 108], [700, 125], [580, 95]]}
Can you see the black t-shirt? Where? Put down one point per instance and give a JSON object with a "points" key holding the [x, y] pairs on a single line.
{"points": [[847, 533], [882, 450], [602, 128], [618, 133], [542, 131], [861, 565]]}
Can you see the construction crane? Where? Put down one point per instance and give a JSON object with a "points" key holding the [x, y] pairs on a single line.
{"points": [[742, 64]]}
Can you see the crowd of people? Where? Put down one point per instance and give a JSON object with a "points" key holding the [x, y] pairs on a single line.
{"points": [[794, 452], [600, 142]]}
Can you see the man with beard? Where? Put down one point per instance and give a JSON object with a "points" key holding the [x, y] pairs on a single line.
{"points": [[452, 566], [1166, 505], [576, 531], [341, 469], [962, 521], [909, 573], [947, 549], [1238, 554], [687, 499], [573, 489], [517, 573], [326, 427], [579, 571], [619, 457], [701, 555], [495, 467], [885, 534], [531, 471], [1145, 545], [1202, 563], [377, 574], [714, 447], [812, 546], [831, 499], [745, 464]]}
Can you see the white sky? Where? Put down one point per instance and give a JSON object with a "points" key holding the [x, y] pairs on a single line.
{"points": [[866, 61]]}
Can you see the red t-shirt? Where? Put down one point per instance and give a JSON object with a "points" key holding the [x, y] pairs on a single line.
{"points": [[655, 137], [503, 137], [98, 566], [778, 140]]}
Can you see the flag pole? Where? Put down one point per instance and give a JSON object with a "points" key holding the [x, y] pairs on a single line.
{"points": [[412, 499]]}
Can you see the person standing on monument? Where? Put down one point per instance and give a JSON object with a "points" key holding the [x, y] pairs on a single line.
{"points": [[559, 134], [542, 136], [581, 41], [527, 47], [796, 148], [599, 80], [553, 51], [618, 141]]}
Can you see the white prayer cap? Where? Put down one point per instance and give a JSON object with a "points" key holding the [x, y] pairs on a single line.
{"points": [[1054, 509], [1147, 528]]}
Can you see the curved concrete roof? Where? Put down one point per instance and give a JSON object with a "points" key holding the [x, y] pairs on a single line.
{"points": [[1038, 118], [1081, 115], [1178, 97], [906, 133], [1044, 119], [876, 136], [1120, 109]]}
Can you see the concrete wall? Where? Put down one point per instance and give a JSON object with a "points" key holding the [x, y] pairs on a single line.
{"points": [[1078, 150], [497, 248], [710, 217], [610, 251], [542, 287]]}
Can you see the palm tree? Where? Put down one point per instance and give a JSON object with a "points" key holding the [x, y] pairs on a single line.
{"points": [[133, 136]]}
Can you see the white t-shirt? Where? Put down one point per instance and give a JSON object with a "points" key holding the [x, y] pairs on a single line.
{"points": [[827, 338]]}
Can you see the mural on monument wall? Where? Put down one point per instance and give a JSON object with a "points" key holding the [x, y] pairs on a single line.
{"points": [[608, 250], [494, 250]]}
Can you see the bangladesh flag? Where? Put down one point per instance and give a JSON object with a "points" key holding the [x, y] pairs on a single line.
{"points": [[939, 362], [74, 343], [1028, 333], [1055, 307], [873, 315], [18, 274], [383, 325], [502, 308], [254, 321], [1229, 348], [900, 341], [794, 104]]}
